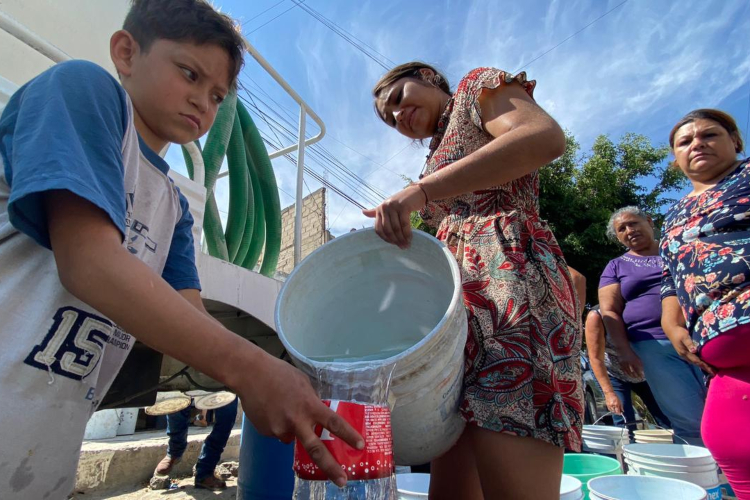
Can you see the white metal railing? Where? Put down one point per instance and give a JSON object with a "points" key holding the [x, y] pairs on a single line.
{"points": [[36, 42], [304, 111]]}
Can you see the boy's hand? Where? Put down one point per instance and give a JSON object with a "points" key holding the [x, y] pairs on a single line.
{"points": [[95, 267], [280, 401]]}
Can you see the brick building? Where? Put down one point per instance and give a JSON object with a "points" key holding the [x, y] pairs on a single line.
{"points": [[314, 233]]}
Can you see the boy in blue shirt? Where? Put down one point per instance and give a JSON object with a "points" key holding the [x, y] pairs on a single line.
{"points": [[96, 248]]}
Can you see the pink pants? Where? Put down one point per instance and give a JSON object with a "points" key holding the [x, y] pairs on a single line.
{"points": [[726, 418]]}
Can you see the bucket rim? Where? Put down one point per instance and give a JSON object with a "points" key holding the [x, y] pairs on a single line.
{"points": [[604, 496], [358, 365], [632, 449]]}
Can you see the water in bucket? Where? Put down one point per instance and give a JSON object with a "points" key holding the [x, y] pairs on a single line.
{"points": [[359, 301]]}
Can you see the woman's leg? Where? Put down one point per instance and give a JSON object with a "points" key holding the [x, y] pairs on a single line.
{"points": [[454, 475], [726, 420], [521, 468], [644, 392], [677, 386]]}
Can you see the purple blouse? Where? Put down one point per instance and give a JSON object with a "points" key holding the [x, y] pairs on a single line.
{"points": [[640, 284]]}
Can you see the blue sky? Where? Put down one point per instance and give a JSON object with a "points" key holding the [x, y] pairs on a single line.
{"points": [[638, 69]]}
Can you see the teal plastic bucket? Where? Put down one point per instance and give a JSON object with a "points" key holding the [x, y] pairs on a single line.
{"points": [[585, 467]]}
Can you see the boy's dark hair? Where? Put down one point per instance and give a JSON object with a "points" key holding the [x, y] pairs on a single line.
{"points": [[193, 21]]}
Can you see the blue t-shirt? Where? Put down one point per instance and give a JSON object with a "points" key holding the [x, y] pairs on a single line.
{"points": [[65, 130], [71, 128]]}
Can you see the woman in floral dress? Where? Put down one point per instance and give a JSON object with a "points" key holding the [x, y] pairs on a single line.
{"points": [[706, 281], [522, 382]]}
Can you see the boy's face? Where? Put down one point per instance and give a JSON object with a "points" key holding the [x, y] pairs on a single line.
{"points": [[176, 89]]}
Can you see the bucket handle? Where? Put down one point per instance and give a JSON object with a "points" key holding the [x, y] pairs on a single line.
{"points": [[639, 421]]}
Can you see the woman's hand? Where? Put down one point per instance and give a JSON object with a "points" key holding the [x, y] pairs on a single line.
{"points": [[630, 362], [613, 403], [687, 349], [393, 216]]}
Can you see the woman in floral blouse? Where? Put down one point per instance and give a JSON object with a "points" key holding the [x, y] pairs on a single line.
{"points": [[522, 395], [706, 282]]}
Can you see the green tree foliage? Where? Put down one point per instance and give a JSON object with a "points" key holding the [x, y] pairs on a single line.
{"points": [[578, 193]]}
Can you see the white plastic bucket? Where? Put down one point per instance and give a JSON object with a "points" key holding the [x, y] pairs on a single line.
{"points": [[412, 486], [128, 418], [102, 425], [570, 488], [676, 454], [358, 301], [668, 467], [605, 430], [623, 487], [703, 475]]}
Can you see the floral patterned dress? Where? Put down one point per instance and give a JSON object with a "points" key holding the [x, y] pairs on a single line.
{"points": [[522, 373], [706, 264]]}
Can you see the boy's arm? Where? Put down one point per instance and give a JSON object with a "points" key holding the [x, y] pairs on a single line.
{"points": [[95, 267]]}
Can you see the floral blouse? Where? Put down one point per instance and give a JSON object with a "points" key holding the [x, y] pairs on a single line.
{"points": [[706, 264]]}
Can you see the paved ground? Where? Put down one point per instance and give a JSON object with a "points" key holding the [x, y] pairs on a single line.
{"points": [[183, 490]]}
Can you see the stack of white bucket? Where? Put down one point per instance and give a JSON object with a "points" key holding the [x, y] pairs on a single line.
{"points": [[675, 461], [604, 439], [570, 488]]}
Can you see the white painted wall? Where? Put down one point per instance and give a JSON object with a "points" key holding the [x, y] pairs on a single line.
{"points": [[81, 28]]}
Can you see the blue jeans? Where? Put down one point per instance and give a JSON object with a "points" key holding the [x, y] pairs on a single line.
{"points": [[624, 390], [678, 386], [213, 446]]}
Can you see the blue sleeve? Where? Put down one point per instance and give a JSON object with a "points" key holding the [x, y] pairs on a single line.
{"points": [[180, 271], [668, 288], [609, 275], [64, 131]]}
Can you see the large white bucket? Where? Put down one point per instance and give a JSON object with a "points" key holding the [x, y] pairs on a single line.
{"points": [[360, 302], [676, 454], [102, 425], [687, 463], [643, 488]]}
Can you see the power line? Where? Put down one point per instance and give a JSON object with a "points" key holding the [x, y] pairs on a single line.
{"points": [[313, 173], [571, 36], [258, 15], [274, 18], [324, 158], [344, 34]]}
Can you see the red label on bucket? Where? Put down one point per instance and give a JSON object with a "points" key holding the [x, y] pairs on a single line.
{"points": [[374, 461]]}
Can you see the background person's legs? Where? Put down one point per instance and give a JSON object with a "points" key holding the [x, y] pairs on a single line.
{"points": [[644, 392], [214, 444], [677, 386], [177, 430]]}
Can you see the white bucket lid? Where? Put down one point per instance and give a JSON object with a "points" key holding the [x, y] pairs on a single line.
{"points": [[624, 487]]}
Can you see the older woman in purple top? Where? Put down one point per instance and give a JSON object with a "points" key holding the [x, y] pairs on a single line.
{"points": [[629, 296]]}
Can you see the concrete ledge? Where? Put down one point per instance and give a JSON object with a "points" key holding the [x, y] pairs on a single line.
{"points": [[107, 464]]}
